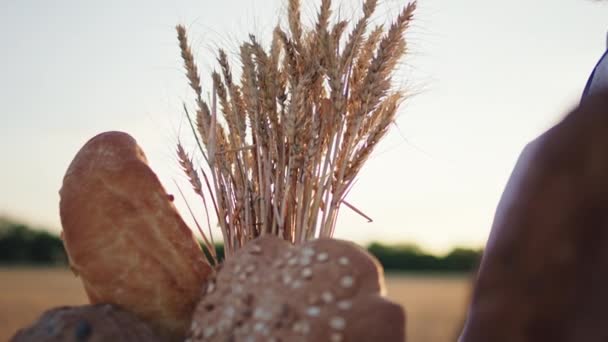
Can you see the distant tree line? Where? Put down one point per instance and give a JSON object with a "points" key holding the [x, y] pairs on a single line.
{"points": [[22, 245], [412, 258]]}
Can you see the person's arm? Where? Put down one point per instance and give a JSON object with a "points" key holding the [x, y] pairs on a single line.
{"points": [[544, 272]]}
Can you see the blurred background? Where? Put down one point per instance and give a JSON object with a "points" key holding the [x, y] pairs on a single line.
{"points": [[483, 79]]}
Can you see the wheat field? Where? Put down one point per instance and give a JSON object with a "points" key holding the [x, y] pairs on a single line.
{"points": [[434, 304]]}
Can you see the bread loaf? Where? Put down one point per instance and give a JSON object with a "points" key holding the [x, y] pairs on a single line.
{"points": [[90, 323], [324, 290], [125, 238]]}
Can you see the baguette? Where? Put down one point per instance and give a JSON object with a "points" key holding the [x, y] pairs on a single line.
{"points": [[125, 238]]}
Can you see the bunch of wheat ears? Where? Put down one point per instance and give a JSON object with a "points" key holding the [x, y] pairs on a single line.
{"points": [[286, 142]]}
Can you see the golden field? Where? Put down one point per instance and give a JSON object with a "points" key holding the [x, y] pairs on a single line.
{"points": [[435, 305]]}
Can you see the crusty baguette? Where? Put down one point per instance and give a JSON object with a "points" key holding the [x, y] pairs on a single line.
{"points": [[324, 290], [90, 323], [125, 238], [543, 276]]}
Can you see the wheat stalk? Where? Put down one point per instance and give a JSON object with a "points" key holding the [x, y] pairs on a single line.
{"points": [[286, 142]]}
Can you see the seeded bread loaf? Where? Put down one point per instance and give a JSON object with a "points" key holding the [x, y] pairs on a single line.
{"points": [[125, 238], [324, 290]]}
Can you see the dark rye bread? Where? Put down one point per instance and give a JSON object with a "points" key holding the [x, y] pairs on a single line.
{"points": [[90, 323], [125, 238], [323, 290], [544, 274]]}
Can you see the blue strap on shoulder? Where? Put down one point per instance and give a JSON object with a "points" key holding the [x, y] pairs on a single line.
{"points": [[598, 78]]}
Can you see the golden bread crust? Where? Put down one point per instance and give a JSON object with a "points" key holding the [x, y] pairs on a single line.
{"points": [[125, 238]]}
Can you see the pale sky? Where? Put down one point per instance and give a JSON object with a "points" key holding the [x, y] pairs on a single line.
{"points": [[488, 75]]}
